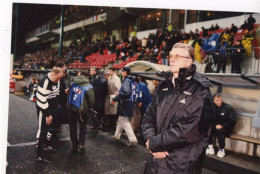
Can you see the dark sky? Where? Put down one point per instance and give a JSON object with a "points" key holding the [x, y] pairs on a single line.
{"points": [[30, 16]]}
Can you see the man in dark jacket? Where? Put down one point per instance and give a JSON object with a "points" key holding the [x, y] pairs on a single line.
{"points": [[81, 100], [125, 110], [100, 91], [237, 54], [177, 124], [225, 120]]}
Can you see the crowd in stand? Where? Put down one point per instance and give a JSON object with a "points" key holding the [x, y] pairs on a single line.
{"points": [[154, 48]]}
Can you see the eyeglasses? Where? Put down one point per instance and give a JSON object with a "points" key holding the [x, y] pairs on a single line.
{"points": [[178, 57]]}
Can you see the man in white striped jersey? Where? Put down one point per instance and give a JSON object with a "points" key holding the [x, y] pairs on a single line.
{"points": [[47, 102]]}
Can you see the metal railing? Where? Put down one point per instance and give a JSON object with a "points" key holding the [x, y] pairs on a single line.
{"points": [[231, 61]]}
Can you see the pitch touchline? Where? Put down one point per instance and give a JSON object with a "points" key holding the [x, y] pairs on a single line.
{"points": [[33, 143]]}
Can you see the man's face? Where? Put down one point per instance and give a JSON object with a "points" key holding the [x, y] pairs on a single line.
{"points": [[218, 101], [106, 76], [92, 71], [124, 73], [179, 58], [57, 77], [110, 72]]}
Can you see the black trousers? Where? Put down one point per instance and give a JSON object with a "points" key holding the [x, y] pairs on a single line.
{"points": [[74, 119], [221, 61], [220, 134], [95, 118], [236, 60], [44, 133]]}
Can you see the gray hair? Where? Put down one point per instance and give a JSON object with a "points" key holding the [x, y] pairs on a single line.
{"points": [[187, 47]]}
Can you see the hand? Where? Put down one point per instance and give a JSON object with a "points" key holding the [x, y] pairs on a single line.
{"points": [[140, 105], [48, 120], [66, 91], [147, 144], [113, 102], [116, 93], [160, 155], [219, 126]]}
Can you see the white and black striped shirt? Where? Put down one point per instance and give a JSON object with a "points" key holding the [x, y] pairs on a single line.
{"points": [[47, 96]]}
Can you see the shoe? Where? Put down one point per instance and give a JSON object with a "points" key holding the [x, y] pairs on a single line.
{"points": [[82, 149], [221, 153], [74, 150], [99, 127], [49, 149], [131, 143], [42, 160], [210, 150], [117, 139]]}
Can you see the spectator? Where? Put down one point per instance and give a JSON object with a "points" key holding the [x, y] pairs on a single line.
{"points": [[81, 100], [125, 110], [221, 56], [123, 52], [233, 29], [251, 21], [212, 28], [244, 25], [144, 43], [237, 54], [100, 91], [144, 98], [204, 32], [65, 83], [114, 85], [35, 86], [179, 118], [225, 120], [29, 88], [196, 34], [46, 104], [164, 54], [216, 27]]}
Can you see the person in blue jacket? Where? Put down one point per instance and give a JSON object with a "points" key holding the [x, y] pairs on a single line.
{"points": [[125, 110], [144, 98]]}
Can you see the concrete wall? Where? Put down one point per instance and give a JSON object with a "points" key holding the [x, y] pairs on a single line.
{"points": [[223, 23], [144, 34], [243, 127], [65, 44]]}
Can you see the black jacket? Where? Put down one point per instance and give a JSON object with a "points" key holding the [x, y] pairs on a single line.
{"points": [[100, 91], [225, 116], [179, 121]]}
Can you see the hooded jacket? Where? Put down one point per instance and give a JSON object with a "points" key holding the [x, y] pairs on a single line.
{"points": [[179, 121]]}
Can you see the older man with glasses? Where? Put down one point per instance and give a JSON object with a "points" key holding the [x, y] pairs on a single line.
{"points": [[177, 124]]}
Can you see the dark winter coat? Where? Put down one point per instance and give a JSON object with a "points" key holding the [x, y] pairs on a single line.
{"points": [[125, 105], [225, 116], [100, 91], [179, 121]]}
